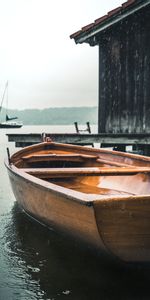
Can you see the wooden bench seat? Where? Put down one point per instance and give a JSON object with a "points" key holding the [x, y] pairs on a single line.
{"points": [[70, 157], [58, 157], [89, 171]]}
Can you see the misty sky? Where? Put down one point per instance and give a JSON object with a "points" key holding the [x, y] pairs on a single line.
{"points": [[43, 66]]}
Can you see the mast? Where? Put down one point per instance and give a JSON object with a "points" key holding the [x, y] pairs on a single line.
{"points": [[6, 86]]}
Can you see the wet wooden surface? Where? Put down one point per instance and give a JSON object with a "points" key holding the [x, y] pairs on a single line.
{"points": [[86, 195]]}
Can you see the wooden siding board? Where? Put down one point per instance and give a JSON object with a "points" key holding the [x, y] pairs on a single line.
{"points": [[123, 77], [147, 72], [102, 87]]}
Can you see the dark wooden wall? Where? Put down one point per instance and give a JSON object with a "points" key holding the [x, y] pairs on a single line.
{"points": [[124, 75]]}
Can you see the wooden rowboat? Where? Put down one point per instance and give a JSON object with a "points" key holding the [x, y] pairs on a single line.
{"points": [[99, 196]]}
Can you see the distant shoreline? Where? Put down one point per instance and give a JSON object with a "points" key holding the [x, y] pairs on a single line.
{"points": [[55, 115]]}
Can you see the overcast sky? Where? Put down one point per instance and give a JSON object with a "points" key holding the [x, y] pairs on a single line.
{"points": [[43, 66]]}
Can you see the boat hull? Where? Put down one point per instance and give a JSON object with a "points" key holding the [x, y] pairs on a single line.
{"points": [[56, 210], [10, 125], [111, 227], [106, 207], [7, 125]]}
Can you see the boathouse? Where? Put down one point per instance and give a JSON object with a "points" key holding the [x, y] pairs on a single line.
{"points": [[123, 38]]}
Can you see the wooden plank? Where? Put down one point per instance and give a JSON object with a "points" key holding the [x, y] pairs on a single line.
{"points": [[102, 138], [92, 171]]}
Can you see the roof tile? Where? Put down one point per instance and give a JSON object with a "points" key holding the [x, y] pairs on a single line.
{"points": [[127, 3], [114, 11], [103, 18], [72, 36], [87, 27]]}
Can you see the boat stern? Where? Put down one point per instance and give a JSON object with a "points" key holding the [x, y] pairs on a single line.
{"points": [[124, 226]]}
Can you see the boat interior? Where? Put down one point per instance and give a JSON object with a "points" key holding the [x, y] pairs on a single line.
{"points": [[100, 172]]}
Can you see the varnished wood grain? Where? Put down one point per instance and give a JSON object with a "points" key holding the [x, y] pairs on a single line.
{"points": [[124, 226], [92, 171], [102, 199]]}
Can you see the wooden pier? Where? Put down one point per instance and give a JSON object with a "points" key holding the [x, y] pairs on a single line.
{"points": [[139, 142]]}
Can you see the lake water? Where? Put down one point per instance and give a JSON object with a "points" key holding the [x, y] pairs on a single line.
{"points": [[37, 263]]}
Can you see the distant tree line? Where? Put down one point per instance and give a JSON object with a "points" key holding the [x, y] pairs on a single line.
{"points": [[55, 116]]}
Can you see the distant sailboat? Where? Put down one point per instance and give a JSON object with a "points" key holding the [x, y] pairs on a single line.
{"points": [[8, 121]]}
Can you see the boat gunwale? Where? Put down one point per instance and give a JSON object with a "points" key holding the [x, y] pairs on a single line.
{"points": [[82, 149]]}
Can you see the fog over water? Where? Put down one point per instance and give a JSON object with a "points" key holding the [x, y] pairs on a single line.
{"points": [[43, 65]]}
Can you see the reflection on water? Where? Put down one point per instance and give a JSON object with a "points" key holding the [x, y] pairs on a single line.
{"points": [[45, 265]]}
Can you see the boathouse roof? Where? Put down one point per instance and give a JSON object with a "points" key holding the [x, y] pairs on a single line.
{"points": [[88, 33]]}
